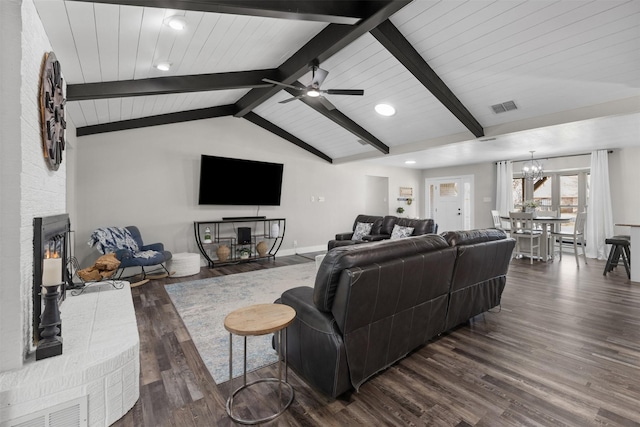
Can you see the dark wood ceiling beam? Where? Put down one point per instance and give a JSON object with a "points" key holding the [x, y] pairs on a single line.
{"points": [[338, 12], [391, 38], [161, 119], [172, 84], [267, 125], [329, 41], [341, 120]]}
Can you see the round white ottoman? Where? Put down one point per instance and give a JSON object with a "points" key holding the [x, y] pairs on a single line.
{"points": [[184, 264]]}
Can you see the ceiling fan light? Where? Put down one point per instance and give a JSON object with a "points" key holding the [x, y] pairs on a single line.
{"points": [[178, 23], [163, 66], [385, 110], [313, 93]]}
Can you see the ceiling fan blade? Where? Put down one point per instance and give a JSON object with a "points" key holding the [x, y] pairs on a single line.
{"points": [[290, 99], [281, 84], [318, 77], [344, 91], [325, 102]]}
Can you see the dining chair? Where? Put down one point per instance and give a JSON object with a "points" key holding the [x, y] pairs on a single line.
{"points": [[497, 222], [524, 231], [572, 237]]}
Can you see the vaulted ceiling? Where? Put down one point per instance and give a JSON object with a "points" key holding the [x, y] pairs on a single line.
{"points": [[572, 68]]}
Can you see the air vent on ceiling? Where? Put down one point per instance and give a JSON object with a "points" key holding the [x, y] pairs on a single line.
{"points": [[363, 142], [504, 107]]}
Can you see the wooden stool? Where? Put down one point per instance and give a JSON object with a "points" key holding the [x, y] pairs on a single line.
{"points": [[620, 248], [259, 319]]}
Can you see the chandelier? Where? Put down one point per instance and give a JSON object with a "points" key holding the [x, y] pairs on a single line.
{"points": [[532, 169]]}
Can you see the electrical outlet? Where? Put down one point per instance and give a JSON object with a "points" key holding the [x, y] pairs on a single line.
{"points": [[321, 198]]}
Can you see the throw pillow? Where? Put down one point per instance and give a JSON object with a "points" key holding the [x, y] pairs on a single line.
{"points": [[362, 229], [399, 231]]}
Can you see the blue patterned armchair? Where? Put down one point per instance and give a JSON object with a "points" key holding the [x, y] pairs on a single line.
{"points": [[129, 248]]}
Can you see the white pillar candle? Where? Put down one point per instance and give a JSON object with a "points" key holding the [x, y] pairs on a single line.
{"points": [[51, 271]]}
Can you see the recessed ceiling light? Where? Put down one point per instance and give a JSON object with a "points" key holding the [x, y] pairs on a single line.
{"points": [[178, 23], [163, 66], [385, 110], [410, 162]]}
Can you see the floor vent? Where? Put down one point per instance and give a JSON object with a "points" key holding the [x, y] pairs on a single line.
{"points": [[504, 107], [68, 414]]}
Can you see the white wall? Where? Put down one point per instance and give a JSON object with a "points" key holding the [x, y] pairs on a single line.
{"points": [[149, 177], [29, 189], [10, 155]]}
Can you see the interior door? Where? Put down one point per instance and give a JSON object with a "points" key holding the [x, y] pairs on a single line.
{"points": [[448, 204]]}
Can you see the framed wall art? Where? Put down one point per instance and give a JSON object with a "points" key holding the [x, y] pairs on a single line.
{"points": [[406, 191]]}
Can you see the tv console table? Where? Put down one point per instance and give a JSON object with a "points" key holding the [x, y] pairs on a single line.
{"points": [[224, 232]]}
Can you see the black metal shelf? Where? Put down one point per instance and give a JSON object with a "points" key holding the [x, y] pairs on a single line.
{"points": [[223, 232]]}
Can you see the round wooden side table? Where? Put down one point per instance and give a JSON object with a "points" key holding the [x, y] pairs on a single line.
{"points": [[259, 319]]}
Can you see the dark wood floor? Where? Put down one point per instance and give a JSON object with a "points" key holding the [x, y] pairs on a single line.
{"points": [[563, 350]]}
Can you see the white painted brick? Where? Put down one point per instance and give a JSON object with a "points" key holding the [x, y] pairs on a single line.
{"points": [[100, 369]]}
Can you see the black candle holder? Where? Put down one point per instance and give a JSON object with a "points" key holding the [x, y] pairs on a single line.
{"points": [[50, 343]]}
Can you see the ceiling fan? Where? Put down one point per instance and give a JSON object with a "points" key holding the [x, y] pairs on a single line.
{"points": [[318, 75]]}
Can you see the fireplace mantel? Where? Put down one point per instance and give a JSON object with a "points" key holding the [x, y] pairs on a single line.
{"points": [[100, 361]]}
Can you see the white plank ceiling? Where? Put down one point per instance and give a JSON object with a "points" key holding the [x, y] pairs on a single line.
{"points": [[559, 61]]}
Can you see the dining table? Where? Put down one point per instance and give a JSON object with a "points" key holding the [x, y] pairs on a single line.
{"points": [[635, 236], [546, 223]]}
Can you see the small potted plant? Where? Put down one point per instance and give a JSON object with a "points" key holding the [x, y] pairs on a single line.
{"points": [[530, 205], [400, 210], [243, 252]]}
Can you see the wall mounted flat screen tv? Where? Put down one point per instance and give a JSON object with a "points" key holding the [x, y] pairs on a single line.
{"points": [[227, 181]]}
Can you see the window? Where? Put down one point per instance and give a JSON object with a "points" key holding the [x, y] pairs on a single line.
{"points": [[563, 191], [569, 198], [518, 192], [542, 192], [449, 189]]}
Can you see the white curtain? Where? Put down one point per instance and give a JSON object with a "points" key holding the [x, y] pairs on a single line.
{"points": [[504, 187], [599, 210]]}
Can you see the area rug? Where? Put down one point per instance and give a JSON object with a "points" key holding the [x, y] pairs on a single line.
{"points": [[203, 305]]}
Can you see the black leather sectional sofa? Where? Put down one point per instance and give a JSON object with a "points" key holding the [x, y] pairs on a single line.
{"points": [[381, 229], [374, 303]]}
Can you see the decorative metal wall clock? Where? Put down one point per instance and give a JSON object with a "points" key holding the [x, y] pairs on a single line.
{"points": [[52, 102]]}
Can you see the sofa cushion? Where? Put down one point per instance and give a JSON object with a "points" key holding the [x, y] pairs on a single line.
{"points": [[471, 237], [420, 226], [375, 220], [362, 229], [399, 232], [387, 224], [341, 258]]}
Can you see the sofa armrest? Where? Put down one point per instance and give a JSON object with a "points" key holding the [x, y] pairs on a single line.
{"points": [[314, 345], [158, 247], [301, 299], [344, 236], [376, 237]]}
